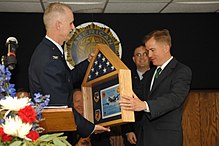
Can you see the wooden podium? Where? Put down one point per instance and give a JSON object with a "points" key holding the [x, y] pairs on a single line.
{"points": [[57, 120]]}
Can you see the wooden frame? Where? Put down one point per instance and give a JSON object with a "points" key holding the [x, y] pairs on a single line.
{"points": [[57, 120], [97, 90]]}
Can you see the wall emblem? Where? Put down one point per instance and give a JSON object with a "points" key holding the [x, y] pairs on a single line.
{"points": [[84, 39]]}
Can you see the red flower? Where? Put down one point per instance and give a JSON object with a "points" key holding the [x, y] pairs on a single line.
{"points": [[1, 131], [6, 137], [33, 135], [27, 114]]}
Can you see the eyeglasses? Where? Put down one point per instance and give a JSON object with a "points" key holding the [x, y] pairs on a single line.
{"points": [[141, 55]]}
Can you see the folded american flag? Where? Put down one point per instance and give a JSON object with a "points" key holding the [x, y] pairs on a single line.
{"points": [[101, 66]]}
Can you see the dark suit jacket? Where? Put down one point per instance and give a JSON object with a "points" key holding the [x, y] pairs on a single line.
{"points": [[163, 125], [49, 74]]}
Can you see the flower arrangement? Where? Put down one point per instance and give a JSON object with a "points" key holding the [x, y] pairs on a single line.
{"points": [[19, 117]]}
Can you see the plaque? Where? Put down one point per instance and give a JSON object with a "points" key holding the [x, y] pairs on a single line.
{"points": [[107, 79]]}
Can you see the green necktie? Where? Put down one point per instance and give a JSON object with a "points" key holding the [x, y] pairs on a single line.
{"points": [[157, 73]]}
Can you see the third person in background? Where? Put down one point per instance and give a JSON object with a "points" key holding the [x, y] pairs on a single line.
{"points": [[142, 63]]}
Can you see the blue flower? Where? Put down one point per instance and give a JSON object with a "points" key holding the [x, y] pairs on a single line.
{"points": [[2, 121], [5, 87], [40, 102]]}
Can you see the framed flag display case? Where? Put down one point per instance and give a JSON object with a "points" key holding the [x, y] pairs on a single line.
{"points": [[107, 79]]}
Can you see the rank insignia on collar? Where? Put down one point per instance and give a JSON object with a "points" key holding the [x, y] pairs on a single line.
{"points": [[55, 57]]}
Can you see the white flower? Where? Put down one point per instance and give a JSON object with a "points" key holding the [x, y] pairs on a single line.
{"points": [[15, 127], [14, 104]]}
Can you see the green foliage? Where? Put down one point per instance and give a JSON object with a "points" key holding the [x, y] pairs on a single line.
{"points": [[55, 139]]}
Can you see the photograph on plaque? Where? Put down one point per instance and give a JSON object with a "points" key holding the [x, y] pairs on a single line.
{"points": [[107, 107], [110, 101]]}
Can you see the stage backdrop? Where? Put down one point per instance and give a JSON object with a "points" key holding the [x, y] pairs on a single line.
{"points": [[195, 39]]}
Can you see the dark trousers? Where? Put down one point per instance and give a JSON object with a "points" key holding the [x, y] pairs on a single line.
{"points": [[102, 139]]}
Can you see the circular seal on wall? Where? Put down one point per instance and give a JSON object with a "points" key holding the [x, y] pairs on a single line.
{"points": [[84, 39]]}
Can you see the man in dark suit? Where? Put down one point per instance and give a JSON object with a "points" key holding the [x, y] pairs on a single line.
{"points": [[141, 60], [48, 72], [168, 89]]}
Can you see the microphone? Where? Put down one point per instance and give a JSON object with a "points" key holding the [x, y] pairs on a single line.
{"points": [[10, 60]]}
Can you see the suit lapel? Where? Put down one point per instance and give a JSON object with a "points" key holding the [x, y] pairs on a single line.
{"points": [[164, 74]]}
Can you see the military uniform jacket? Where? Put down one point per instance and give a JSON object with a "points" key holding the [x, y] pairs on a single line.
{"points": [[49, 75]]}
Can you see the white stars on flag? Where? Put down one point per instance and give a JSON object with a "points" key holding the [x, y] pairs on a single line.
{"points": [[100, 67]]}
